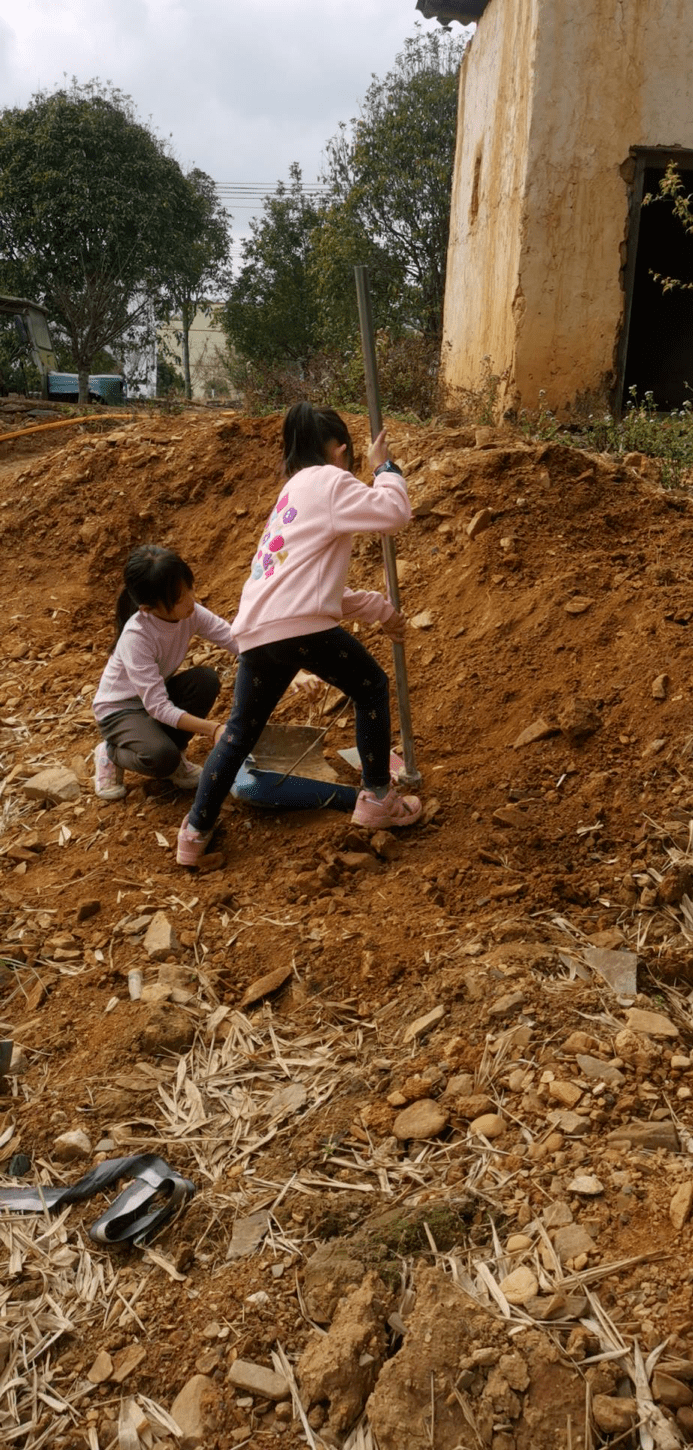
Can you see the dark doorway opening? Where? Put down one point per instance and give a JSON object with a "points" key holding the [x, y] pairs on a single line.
{"points": [[657, 341]]}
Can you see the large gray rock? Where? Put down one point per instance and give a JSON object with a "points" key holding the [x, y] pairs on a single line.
{"points": [[258, 1380], [421, 1120], [194, 1410], [57, 785], [160, 940]]}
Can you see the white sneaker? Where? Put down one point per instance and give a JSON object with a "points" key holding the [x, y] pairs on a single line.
{"points": [[186, 775], [108, 777]]}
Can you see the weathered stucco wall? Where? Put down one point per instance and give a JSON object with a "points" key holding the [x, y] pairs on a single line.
{"points": [[486, 221], [543, 257]]}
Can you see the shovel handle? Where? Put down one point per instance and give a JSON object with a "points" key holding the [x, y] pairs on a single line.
{"points": [[409, 775]]}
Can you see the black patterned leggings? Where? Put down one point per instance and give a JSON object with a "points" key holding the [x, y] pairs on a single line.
{"points": [[263, 676]]}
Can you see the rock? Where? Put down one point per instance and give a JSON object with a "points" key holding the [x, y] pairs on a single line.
{"points": [[681, 1204], [258, 1380], [653, 1024], [660, 687], [567, 1093], [571, 1241], [473, 1106], [271, 982], [579, 604], [579, 1042], [247, 1233], [511, 815], [517, 1243], [520, 1286], [70, 1146], [424, 620], [650, 1135], [557, 1215], [86, 908], [670, 1391], [340, 1368], [194, 1409], [568, 1122], [614, 1414], [385, 844], [160, 939], [127, 1361], [152, 993], [168, 1029], [619, 969], [579, 719], [479, 523], [424, 1119], [586, 1184], [506, 1005], [489, 1125], [684, 1418], [56, 785], [102, 1368], [423, 1024], [329, 1273], [538, 730], [598, 1071], [461, 1083], [635, 1049]]}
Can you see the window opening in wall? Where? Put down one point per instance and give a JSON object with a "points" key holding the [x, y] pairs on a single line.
{"points": [[656, 353]]}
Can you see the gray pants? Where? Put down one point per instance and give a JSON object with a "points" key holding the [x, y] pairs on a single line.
{"points": [[138, 742]]}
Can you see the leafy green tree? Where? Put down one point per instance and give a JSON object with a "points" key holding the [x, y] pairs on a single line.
{"points": [[202, 272], [95, 215], [272, 311], [390, 178]]}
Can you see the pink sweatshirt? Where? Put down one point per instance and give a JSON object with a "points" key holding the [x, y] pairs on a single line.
{"points": [[148, 651], [297, 582]]}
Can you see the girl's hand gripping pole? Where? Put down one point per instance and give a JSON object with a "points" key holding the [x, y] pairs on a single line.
{"points": [[409, 775]]}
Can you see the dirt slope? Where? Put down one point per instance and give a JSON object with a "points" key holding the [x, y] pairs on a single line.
{"points": [[568, 611]]}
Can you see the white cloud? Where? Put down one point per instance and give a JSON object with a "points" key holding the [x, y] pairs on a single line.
{"points": [[242, 87]]}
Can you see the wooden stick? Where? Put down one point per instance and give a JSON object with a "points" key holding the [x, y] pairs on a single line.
{"points": [[410, 775]]}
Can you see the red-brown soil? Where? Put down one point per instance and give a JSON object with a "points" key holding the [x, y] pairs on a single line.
{"points": [[567, 608]]}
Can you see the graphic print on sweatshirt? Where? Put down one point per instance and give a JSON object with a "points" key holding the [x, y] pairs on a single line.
{"points": [[272, 550]]}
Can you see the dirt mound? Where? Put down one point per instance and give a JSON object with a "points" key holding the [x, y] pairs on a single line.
{"points": [[481, 969]]}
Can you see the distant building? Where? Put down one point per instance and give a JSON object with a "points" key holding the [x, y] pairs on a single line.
{"points": [[208, 349], [568, 116]]}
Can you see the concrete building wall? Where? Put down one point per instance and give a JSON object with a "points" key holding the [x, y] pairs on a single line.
{"points": [[486, 219], [207, 343], [559, 93]]}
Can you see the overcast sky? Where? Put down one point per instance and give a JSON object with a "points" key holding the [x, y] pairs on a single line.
{"points": [[242, 87]]}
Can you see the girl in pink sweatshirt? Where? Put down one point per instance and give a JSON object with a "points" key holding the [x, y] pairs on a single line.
{"points": [[290, 611], [146, 707]]}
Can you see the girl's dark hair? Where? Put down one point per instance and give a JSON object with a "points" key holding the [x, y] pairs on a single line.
{"points": [[307, 431], [152, 576]]}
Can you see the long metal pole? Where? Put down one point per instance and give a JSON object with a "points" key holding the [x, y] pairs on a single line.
{"points": [[410, 775]]}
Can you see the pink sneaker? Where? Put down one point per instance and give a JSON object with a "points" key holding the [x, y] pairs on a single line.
{"points": [[394, 810], [108, 777], [186, 775], [191, 844]]}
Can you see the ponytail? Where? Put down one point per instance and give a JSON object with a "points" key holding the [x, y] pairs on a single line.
{"points": [[125, 608], [306, 433]]}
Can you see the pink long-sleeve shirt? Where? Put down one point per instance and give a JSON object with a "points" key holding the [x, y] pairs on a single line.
{"points": [[148, 652], [297, 582]]}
